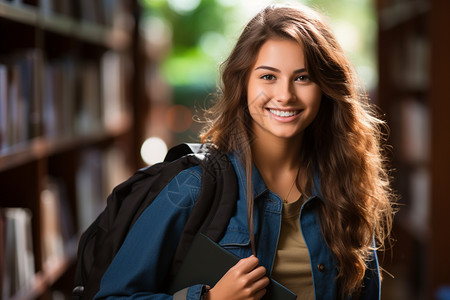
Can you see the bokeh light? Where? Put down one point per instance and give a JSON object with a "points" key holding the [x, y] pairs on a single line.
{"points": [[153, 150]]}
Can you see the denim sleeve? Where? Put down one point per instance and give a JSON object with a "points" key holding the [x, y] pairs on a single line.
{"points": [[191, 293], [140, 268], [195, 292]]}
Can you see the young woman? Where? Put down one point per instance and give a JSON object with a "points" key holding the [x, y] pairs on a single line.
{"points": [[314, 197]]}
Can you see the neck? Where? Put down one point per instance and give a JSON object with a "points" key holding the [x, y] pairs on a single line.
{"points": [[275, 157], [278, 162]]}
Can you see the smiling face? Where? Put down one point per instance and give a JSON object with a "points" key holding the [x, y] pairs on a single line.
{"points": [[282, 99]]}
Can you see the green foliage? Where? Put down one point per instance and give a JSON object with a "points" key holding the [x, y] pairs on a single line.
{"points": [[190, 66], [201, 35], [189, 62]]}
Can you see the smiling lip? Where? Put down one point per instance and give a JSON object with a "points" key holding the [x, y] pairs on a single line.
{"points": [[284, 115]]}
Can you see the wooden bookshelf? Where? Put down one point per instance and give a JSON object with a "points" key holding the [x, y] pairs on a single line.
{"points": [[41, 148], [20, 14], [69, 125], [413, 47]]}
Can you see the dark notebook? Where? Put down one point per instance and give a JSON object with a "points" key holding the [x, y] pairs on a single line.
{"points": [[206, 262]]}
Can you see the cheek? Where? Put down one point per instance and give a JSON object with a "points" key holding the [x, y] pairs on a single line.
{"points": [[255, 95], [252, 91]]}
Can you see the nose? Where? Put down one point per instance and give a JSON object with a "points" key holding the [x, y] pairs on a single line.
{"points": [[284, 91]]}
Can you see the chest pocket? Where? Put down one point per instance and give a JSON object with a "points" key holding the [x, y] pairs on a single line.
{"points": [[237, 241]]}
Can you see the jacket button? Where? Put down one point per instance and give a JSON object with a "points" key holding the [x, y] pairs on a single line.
{"points": [[321, 267]]}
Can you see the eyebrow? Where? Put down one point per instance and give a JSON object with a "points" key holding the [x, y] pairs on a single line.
{"points": [[278, 71]]}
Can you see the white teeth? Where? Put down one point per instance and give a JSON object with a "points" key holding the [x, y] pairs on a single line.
{"points": [[284, 113]]}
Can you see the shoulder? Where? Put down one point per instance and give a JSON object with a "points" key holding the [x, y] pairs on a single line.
{"points": [[189, 176], [208, 170], [184, 188]]}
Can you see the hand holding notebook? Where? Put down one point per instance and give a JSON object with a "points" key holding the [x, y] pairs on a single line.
{"points": [[244, 279], [206, 262]]}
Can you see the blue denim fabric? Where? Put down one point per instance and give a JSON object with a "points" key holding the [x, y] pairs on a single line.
{"points": [[141, 265]]}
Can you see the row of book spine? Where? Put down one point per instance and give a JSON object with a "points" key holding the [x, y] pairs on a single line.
{"points": [[60, 97], [409, 63], [99, 171], [411, 137], [109, 13]]}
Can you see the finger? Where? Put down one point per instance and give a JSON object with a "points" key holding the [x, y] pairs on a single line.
{"points": [[259, 294], [257, 273], [261, 283], [245, 265]]}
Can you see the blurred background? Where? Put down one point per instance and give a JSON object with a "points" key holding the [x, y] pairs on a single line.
{"points": [[90, 91], [188, 40]]}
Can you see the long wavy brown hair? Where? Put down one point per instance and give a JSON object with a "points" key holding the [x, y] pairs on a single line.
{"points": [[343, 145]]}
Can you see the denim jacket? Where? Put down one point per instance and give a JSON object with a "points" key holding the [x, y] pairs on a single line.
{"points": [[141, 266]]}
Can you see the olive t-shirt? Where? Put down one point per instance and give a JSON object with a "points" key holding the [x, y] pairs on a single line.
{"points": [[292, 266]]}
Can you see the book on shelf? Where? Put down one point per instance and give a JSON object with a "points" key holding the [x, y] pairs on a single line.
{"points": [[91, 11], [16, 108], [52, 242], [108, 13], [89, 111], [114, 169], [412, 135], [58, 97], [113, 86], [418, 208], [22, 3], [111, 10], [61, 97], [98, 173], [15, 2], [19, 103], [57, 227], [2, 250], [51, 7], [3, 107], [82, 97], [410, 61], [90, 200], [18, 271]]}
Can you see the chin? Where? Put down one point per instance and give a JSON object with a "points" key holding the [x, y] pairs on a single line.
{"points": [[288, 135]]}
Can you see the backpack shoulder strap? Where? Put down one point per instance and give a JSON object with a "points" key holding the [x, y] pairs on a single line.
{"points": [[214, 206]]}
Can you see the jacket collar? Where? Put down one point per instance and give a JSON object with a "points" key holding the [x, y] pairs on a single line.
{"points": [[258, 184]]}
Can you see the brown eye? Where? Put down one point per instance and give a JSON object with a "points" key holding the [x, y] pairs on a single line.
{"points": [[268, 77], [303, 78]]}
